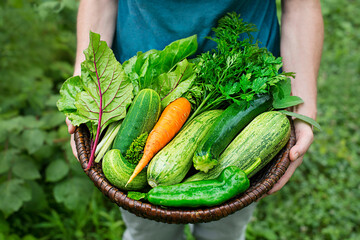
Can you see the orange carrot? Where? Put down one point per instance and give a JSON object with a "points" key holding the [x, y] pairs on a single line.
{"points": [[170, 122]]}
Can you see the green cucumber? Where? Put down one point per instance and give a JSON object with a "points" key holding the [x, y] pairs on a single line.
{"points": [[263, 138], [118, 170], [171, 164], [225, 129], [142, 117]]}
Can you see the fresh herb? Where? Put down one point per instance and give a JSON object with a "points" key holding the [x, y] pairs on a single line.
{"points": [[102, 93], [238, 69], [136, 149]]}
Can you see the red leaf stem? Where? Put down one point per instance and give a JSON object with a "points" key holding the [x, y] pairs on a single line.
{"points": [[92, 156]]}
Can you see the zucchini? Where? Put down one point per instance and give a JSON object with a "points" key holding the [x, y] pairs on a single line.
{"points": [[142, 117], [263, 138], [118, 170], [224, 130], [171, 164]]}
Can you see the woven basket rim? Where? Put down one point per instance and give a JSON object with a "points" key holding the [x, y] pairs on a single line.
{"points": [[261, 183]]}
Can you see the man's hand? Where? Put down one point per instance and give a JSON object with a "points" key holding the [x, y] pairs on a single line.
{"points": [[71, 130], [301, 46], [304, 138]]}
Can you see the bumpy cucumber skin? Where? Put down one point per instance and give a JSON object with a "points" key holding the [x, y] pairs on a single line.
{"points": [[171, 164], [118, 170], [263, 138], [225, 129], [142, 116], [232, 181]]}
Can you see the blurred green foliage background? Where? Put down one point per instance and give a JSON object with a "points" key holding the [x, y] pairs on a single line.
{"points": [[44, 194]]}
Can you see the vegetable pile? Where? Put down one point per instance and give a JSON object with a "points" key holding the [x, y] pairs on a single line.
{"points": [[193, 129]]}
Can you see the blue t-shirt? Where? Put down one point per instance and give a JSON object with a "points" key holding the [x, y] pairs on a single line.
{"points": [[153, 24]]}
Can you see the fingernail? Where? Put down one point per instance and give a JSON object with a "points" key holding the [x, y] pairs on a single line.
{"points": [[296, 155]]}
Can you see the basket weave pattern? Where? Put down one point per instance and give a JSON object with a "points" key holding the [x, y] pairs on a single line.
{"points": [[261, 183]]}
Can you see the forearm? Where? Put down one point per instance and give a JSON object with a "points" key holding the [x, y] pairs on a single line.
{"points": [[301, 47], [97, 16]]}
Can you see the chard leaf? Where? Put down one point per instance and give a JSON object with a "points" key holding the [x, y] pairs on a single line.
{"points": [[102, 88], [68, 92], [107, 87], [303, 118], [145, 68], [103, 91]]}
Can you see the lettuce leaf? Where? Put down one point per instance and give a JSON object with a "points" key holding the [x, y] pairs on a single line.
{"points": [[150, 69]]}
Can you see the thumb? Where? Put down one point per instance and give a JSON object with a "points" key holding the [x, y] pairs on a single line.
{"points": [[304, 138], [71, 128]]}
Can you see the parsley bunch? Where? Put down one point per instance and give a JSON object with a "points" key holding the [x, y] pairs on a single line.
{"points": [[238, 69]]}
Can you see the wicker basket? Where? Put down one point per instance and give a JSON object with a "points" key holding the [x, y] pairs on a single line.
{"points": [[261, 183]]}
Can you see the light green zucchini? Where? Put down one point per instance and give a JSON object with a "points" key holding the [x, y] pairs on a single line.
{"points": [[118, 170], [263, 138], [171, 164]]}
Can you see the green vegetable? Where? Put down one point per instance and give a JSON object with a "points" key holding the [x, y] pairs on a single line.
{"points": [[141, 117], [263, 138], [231, 182], [100, 96], [118, 170], [171, 164], [226, 127], [166, 71], [136, 149], [237, 69], [107, 140]]}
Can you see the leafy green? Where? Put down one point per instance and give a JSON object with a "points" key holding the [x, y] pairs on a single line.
{"points": [[171, 85], [237, 69], [68, 92], [303, 118], [282, 98], [102, 77], [136, 195], [136, 149], [107, 140], [166, 71], [102, 93]]}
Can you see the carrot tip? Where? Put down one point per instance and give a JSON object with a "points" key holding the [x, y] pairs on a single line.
{"points": [[130, 179]]}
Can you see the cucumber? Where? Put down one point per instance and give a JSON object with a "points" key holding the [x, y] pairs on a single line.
{"points": [[118, 170], [225, 129], [263, 138], [171, 164], [142, 117]]}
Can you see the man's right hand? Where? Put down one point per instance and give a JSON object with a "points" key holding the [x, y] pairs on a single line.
{"points": [[71, 130]]}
